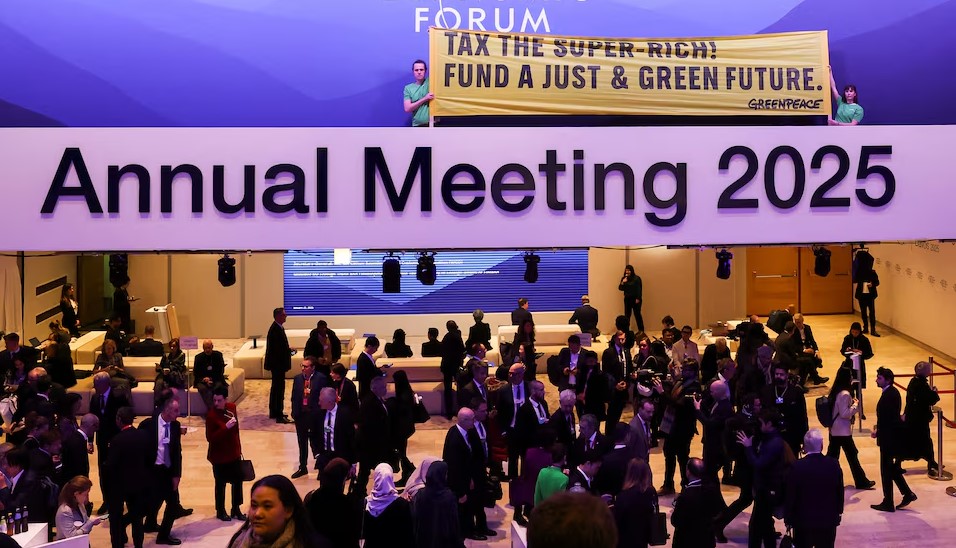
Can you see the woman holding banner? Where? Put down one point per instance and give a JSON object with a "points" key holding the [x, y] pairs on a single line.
{"points": [[848, 111]]}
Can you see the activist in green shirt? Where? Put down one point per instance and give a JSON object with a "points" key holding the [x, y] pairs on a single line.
{"points": [[550, 480], [417, 96], [848, 112]]}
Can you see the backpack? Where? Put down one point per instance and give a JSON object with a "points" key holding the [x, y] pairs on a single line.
{"points": [[824, 411]]}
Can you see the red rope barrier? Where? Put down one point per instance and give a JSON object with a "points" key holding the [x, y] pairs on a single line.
{"points": [[949, 369], [946, 391]]}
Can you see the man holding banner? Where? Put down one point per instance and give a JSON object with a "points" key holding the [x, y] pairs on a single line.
{"points": [[417, 95]]}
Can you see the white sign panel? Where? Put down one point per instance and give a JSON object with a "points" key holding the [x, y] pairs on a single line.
{"points": [[403, 188]]}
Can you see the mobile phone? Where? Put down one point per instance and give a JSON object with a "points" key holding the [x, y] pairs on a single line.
{"points": [[104, 516]]}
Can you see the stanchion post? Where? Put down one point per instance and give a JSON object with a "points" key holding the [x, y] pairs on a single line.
{"points": [[941, 475]]}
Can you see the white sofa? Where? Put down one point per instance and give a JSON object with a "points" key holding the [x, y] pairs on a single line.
{"points": [[251, 356]]}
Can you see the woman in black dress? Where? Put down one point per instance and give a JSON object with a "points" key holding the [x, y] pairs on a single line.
{"points": [[402, 413], [635, 506], [69, 309]]}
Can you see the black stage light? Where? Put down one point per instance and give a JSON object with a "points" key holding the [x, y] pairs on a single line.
{"points": [[227, 271], [821, 265], [723, 264], [531, 267], [119, 269], [426, 272], [391, 274]]}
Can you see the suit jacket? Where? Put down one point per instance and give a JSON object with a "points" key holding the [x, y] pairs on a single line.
{"points": [[807, 341], [278, 353], [888, 422], [348, 395], [597, 393], [868, 277], [610, 477], [563, 427], [212, 366], [343, 434], [814, 492], [150, 428], [461, 461], [374, 432], [147, 348], [314, 348], [586, 316], [365, 371], [74, 456], [107, 415], [452, 353], [431, 349], [128, 461], [640, 444], [480, 332], [613, 367], [920, 399], [794, 411], [714, 421], [519, 315], [564, 362], [526, 424], [316, 384], [26, 493], [41, 464], [579, 449], [693, 517], [786, 350], [506, 405], [576, 479], [468, 392]]}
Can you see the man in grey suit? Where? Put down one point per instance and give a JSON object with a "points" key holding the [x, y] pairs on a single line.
{"points": [[640, 440], [305, 411]]}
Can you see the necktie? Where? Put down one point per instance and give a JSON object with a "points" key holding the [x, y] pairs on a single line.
{"points": [[520, 394], [328, 431], [166, 445], [539, 411], [571, 424], [103, 404], [647, 432], [481, 390]]}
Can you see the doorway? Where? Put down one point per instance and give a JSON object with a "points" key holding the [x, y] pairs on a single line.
{"points": [[779, 276]]}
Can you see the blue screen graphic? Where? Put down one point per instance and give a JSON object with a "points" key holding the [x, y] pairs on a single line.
{"points": [[490, 280]]}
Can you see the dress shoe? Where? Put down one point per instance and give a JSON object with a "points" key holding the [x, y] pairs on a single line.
{"points": [[223, 516], [237, 514], [883, 507], [868, 485], [874, 333], [182, 512], [477, 536], [907, 499], [666, 490], [151, 528], [172, 541], [489, 533], [821, 380], [299, 473], [284, 420], [519, 519]]}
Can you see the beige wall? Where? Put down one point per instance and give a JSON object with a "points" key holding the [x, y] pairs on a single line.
{"points": [[38, 271], [670, 285], [149, 280], [722, 300], [918, 291]]}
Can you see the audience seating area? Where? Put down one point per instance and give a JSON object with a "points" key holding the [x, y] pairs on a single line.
{"points": [[549, 340], [250, 359]]}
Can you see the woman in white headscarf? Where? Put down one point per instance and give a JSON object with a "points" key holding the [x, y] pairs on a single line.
{"points": [[416, 482], [388, 517]]}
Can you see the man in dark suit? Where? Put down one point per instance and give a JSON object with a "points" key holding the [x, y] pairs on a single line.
{"points": [[641, 438], [76, 448], [365, 368], [594, 390], [769, 461], [814, 503], [918, 413], [147, 346], [562, 421], [520, 314], [324, 345], [571, 364], [128, 471], [887, 431], [586, 316], [164, 449], [617, 365], [105, 401], [714, 420], [452, 355], [791, 402], [459, 452], [22, 488], [118, 334], [432, 347], [866, 294], [808, 358], [346, 393], [374, 433], [13, 350], [610, 478], [337, 428], [476, 388], [530, 418], [511, 399], [209, 370], [695, 509], [278, 360], [306, 387], [581, 478], [786, 349], [589, 439]]}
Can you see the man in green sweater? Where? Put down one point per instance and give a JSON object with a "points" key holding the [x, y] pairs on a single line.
{"points": [[417, 95], [552, 479]]}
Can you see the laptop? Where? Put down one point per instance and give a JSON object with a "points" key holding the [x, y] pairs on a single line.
{"points": [[34, 342]]}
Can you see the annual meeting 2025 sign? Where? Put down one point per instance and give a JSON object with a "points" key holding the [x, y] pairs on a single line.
{"points": [[485, 73], [401, 188]]}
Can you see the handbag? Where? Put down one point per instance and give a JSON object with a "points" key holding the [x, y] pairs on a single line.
{"points": [[658, 529], [246, 471], [420, 413]]}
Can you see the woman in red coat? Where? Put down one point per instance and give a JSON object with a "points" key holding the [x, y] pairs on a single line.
{"points": [[225, 452]]}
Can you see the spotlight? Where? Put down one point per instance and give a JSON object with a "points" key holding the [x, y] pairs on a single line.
{"points": [[531, 267], [426, 272], [723, 264], [227, 271], [119, 269], [821, 265], [391, 274]]}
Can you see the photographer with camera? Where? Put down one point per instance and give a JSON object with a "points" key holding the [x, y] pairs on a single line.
{"points": [[679, 424]]}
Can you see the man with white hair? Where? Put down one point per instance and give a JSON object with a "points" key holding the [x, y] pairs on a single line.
{"points": [[713, 417], [562, 421], [814, 495]]}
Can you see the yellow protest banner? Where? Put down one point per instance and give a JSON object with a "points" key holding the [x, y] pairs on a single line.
{"points": [[488, 73]]}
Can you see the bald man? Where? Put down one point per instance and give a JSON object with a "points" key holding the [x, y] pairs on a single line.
{"points": [[209, 370], [713, 417], [459, 452]]}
